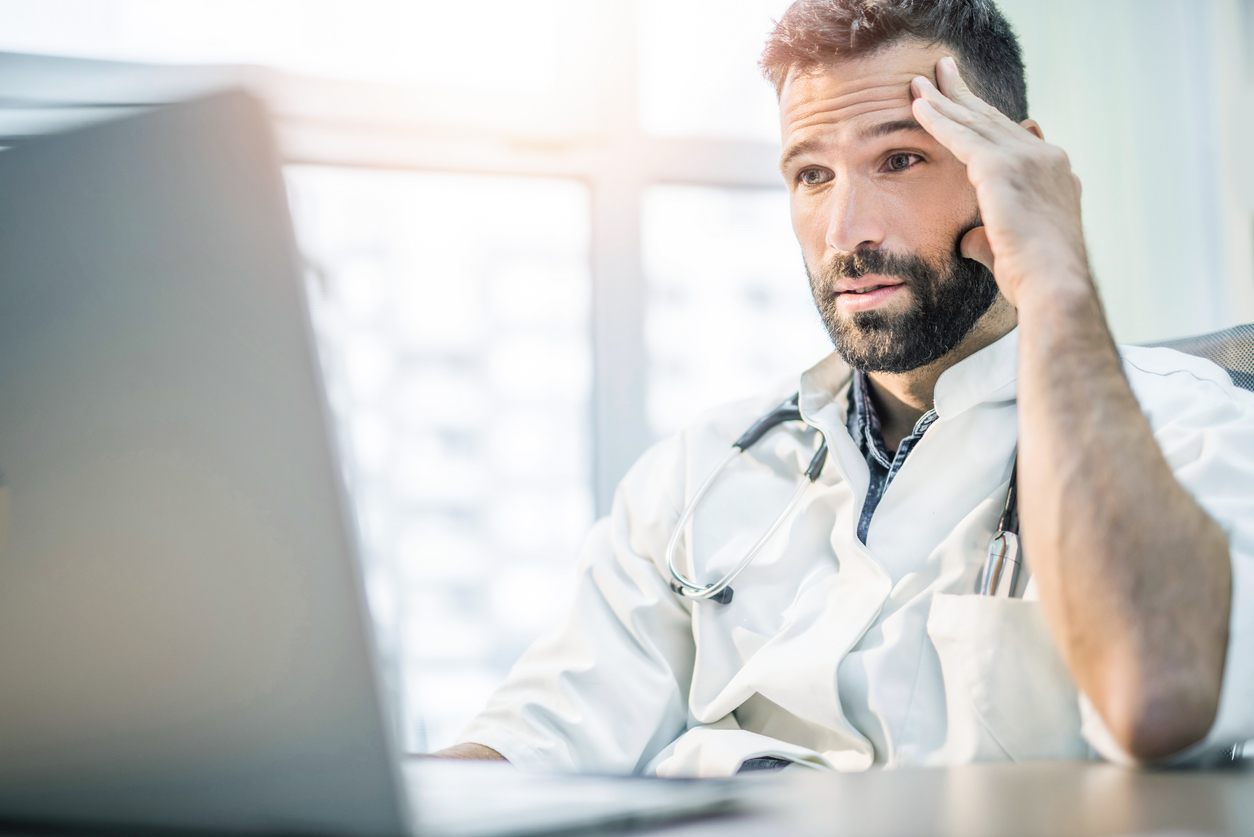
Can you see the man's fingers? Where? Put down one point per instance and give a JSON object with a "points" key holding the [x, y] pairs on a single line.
{"points": [[975, 245], [988, 120], [952, 85], [955, 111], [962, 141]]}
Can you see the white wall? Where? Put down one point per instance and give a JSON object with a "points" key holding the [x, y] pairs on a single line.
{"points": [[1140, 93]]}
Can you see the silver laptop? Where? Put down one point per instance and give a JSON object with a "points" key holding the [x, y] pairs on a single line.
{"points": [[183, 634]]}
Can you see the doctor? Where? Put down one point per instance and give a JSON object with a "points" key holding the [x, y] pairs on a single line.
{"points": [[943, 240]]}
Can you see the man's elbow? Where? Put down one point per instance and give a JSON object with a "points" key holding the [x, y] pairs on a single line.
{"points": [[1161, 722]]}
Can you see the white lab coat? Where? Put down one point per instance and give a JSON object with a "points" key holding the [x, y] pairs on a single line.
{"points": [[834, 654]]}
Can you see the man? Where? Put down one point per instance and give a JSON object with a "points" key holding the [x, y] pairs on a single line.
{"points": [[943, 240]]}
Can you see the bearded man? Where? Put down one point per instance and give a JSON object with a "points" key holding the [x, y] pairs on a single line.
{"points": [[943, 241]]}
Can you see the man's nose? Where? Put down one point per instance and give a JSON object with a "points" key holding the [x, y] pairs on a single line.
{"points": [[853, 220]]}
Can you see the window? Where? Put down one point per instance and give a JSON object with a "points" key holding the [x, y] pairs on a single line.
{"points": [[730, 313], [478, 235], [713, 45], [452, 314]]}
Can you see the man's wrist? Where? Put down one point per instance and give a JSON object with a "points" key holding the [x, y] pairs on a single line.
{"points": [[1067, 292]]}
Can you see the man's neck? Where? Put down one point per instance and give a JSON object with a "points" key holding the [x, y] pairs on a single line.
{"points": [[901, 399]]}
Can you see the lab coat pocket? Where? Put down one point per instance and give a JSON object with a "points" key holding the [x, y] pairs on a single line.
{"points": [[1008, 692]]}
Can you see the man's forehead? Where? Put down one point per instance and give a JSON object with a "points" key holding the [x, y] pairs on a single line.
{"points": [[866, 88]]}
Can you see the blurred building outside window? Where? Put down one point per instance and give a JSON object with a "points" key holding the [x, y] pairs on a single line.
{"points": [[454, 335], [730, 313]]}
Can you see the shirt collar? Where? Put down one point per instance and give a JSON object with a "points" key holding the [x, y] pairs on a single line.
{"points": [[989, 375], [822, 384], [864, 421]]}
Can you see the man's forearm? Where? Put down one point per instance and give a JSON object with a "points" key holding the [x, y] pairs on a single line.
{"points": [[1134, 577]]}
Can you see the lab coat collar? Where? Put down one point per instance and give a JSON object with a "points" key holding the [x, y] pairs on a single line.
{"points": [[822, 383], [989, 375]]}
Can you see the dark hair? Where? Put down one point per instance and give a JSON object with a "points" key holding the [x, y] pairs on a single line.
{"points": [[815, 33]]}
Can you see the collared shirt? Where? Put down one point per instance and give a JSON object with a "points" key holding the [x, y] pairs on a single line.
{"points": [[864, 427]]}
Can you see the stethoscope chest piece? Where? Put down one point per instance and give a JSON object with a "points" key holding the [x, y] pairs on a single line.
{"points": [[1003, 564]]}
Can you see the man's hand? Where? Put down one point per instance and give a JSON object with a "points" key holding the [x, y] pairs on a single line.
{"points": [[469, 751], [1029, 199], [1135, 578]]}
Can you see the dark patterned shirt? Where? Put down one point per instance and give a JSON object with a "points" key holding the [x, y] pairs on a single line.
{"points": [[864, 427]]}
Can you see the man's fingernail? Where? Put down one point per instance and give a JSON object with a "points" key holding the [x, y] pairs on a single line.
{"points": [[953, 65]]}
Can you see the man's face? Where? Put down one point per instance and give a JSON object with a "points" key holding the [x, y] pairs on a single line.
{"points": [[879, 208]]}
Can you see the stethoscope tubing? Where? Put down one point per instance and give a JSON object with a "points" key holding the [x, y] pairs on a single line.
{"points": [[720, 591], [713, 591], [1003, 548]]}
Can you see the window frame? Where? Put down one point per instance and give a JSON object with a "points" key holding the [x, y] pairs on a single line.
{"points": [[615, 159]]}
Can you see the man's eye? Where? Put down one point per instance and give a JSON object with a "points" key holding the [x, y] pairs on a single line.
{"points": [[900, 162], [814, 177]]}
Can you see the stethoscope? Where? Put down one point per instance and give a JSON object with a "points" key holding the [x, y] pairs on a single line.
{"points": [[999, 575]]}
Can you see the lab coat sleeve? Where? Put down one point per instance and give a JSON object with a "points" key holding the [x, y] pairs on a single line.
{"points": [[1205, 428], [609, 688]]}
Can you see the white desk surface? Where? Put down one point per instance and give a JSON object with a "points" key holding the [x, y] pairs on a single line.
{"points": [[1049, 798]]}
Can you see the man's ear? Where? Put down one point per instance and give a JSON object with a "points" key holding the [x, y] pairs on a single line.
{"points": [[1033, 126]]}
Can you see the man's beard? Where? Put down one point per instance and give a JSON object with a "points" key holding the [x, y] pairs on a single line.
{"points": [[948, 302]]}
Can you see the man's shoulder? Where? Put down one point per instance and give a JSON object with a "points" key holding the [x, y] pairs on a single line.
{"points": [[1156, 362], [1167, 382], [730, 419], [705, 439]]}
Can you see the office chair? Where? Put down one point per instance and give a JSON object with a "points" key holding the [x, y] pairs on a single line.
{"points": [[1231, 348]]}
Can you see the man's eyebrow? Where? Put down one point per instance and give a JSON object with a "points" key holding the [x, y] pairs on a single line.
{"points": [[883, 129], [796, 150]]}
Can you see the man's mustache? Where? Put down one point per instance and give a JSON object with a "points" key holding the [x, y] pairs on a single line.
{"points": [[877, 262], [909, 267]]}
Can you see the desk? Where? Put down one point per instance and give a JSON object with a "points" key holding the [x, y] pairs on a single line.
{"points": [[1049, 798], [1054, 798]]}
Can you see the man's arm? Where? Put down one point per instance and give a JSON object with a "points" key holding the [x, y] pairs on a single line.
{"points": [[470, 752], [1135, 578]]}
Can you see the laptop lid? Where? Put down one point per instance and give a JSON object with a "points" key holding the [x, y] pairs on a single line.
{"points": [[183, 637]]}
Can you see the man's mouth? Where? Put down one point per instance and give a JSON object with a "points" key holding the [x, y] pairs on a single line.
{"points": [[866, 284], [863, 297]]}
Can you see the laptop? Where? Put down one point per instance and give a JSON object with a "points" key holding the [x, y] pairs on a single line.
{"points": [[184, 640]]}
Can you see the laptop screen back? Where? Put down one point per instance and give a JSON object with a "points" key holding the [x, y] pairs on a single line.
{"points": [[182, 632]]}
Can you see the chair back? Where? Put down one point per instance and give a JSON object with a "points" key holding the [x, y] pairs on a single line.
{"points": [[1232, 348]]}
